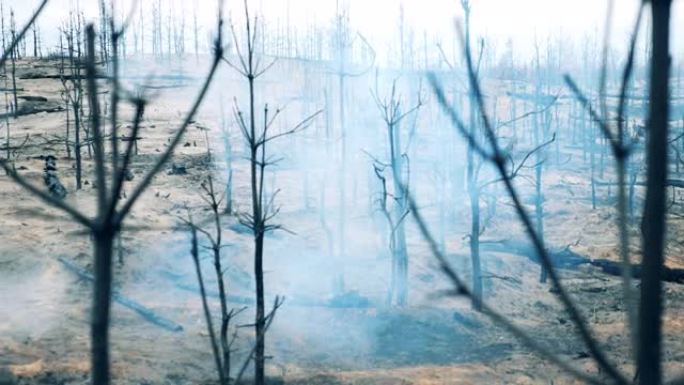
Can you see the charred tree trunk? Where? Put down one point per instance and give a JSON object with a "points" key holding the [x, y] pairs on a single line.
{"points": [[592, 161], [99, 333], [55, 187], [13, 57], [475, 245], [228, 158], [651, 307], [225, 319], [2, 32], [341, 236], [473, 188], [539, 211], [205, 308], [77, 144], [260, 351], [538, 134], [35, 41], [258, 228], [216, 246], [399, 253]]}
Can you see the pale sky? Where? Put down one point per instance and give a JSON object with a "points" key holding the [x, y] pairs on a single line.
{"points": [[497, 20]]}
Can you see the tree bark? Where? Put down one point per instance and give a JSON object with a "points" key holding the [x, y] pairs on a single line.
{"points": [[99, 332], [475, 246], [259, 356], [399, 253], [258, 228], [77, 144], [651, 307], [205, 308]]}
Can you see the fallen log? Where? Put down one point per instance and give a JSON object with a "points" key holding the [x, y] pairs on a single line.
{"points": [[214, 294], [39, 76], [33, 98], [31, 111], [165, 86], [615, 268], [679, 183], [144, 312], [540, 99], [564, 258]]}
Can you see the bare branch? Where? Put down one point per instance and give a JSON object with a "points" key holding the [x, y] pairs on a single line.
{"points": [[305, 123], [266, 68], [268, 319], [528, 113], [522, 164]]}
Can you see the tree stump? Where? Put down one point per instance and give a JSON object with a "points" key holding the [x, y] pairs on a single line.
{"points": [[51, 179]]}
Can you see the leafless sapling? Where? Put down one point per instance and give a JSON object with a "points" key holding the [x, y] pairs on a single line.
{"points": [[250, 66], [73, 87], [392, 116], [223, 345], [344, 41]]}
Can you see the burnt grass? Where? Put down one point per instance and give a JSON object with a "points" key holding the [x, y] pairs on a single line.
{"points": [[403, 339]]}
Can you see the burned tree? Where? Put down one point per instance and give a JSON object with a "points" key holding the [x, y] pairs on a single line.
{"points": [[11, 52], [73, 87], [223, 345], [392, 115], [475, 161], [257, 138], [343, 44], [14, 53], [648, 355], [472, 173], [36, 42], [541, 128], [205, 307], [228, 158], [651, 302], [2, 32], [111, 211]]}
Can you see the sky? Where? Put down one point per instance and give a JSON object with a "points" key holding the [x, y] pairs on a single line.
{"points": [[521, 21]]}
